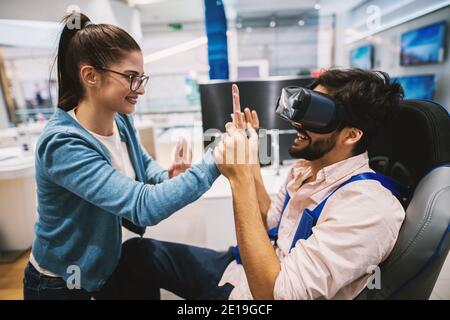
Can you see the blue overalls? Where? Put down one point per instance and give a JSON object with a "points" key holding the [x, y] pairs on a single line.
{"points": [[310, 217]]}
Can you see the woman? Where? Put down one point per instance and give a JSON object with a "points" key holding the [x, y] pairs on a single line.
{"points": [[92, 173]]}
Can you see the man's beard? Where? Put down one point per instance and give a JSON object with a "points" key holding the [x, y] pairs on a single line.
{"points": [[314, 150]]}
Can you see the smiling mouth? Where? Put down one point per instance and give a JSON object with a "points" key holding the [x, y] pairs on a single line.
{"points": [[302, 137], [132, 100], [301, 134]]}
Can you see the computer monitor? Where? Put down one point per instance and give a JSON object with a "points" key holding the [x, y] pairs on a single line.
{"points": [[260, 95], [362, 57], [424, 46], [418, 86]]}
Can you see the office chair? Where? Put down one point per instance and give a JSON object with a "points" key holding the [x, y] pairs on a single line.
{"points": [[414, 149]]}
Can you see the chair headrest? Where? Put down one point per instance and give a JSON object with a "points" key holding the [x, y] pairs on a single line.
{"points": [[414, 141]]}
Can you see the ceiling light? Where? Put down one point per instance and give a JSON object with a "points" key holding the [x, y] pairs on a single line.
{"points": [[183, 47], [142, 2]]}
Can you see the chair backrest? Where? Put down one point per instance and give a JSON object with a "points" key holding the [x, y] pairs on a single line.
{"points": [[414, 148]]}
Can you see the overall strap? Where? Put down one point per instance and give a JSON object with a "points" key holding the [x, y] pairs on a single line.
{"points": [[310, 217], [273, 233]]}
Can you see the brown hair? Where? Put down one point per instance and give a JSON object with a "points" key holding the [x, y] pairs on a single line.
{"points": [[369, 96], [81, 41]]}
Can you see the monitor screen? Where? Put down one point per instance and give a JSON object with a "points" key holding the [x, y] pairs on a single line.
{"points": [[362, 57], [423, 46], [260, 95], [418, 87]]}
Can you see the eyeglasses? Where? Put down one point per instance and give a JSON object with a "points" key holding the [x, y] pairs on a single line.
{"points": [[136, 81]]}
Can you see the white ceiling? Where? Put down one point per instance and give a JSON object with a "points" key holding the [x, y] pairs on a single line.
{"points": [[167, 11], [171, 11]]}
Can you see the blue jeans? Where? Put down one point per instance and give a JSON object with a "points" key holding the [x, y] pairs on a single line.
{"points": [[37, 286], [145, 267]]}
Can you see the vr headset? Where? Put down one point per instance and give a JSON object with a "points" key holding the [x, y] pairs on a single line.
{"points": [[312, 110]]}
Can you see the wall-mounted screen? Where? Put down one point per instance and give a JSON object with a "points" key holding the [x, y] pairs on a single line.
{"points": [[362, 57], [424, 46], [418, 87]]}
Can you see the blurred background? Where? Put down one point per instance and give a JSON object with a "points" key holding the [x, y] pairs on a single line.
{"points": [[190, 42], [193, 51], [263, 38]]}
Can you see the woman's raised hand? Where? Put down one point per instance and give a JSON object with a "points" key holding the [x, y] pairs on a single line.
{"points": [[183, 158]]}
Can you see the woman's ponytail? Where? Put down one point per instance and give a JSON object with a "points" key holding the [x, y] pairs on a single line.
{"points": [[69, 89]]}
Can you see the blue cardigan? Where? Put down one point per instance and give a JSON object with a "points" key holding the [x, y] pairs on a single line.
{"points": [[82, 198]]}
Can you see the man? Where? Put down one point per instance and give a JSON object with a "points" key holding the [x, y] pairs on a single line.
{"points": [[355, 229]]}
